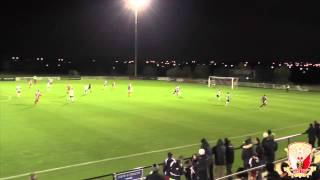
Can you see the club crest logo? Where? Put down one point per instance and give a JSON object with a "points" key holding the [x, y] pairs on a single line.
{"points": [[300, 158]]}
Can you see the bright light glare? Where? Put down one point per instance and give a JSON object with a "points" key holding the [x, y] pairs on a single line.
{"points": [[137, 4]]}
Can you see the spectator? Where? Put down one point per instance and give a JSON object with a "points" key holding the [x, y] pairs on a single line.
{"points": [[229, 156], [270, 147], [284, 175], [253, 162], [154, 174], [189, 171], [272, 174], [259, 150], [201, 166], [176, 169], [260, 153], [219, 152], [33, 176], [247, 152], [166, 166], [205, 145], [311, 135], [317, 130]]}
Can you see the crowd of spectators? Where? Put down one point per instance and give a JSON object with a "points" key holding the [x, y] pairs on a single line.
{"points": [[313, 133], [212, 162], [216, 161]]}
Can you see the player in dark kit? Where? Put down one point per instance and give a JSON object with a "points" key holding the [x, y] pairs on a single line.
{"points": [[264, 100]]}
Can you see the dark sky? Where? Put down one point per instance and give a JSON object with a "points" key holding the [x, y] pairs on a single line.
{"points": [[206, 29]]}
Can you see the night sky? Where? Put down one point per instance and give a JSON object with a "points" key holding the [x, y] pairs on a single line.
{"points": [[204, 29]]}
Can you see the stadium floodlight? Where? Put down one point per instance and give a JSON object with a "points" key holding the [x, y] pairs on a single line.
{"points": [[136, 6]]}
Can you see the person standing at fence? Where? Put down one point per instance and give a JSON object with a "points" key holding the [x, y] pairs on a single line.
{"points": [[219, 152], [311, 135], [247, 152], [270, 146], [253, 162], [176, 169], [208, 152], [201, 166], [260, 153], [154, 174], [316, 126], [229, 156], [166, 165], [189, 170]]}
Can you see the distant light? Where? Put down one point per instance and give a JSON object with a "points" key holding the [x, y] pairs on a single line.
{"points": [[137, 4], [301, 69], [59, 65], [93, 60], [69, 62], [225, 65], [272, 67], [47, 65], [231, 65], [17, 57], [303, 72], [259, 62], [247, 78], [245, 65], [38, 59], [13, 57], [113, 67], [41, 59], [158, 65], [117, 61]]}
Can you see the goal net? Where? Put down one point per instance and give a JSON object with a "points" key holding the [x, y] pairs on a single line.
{"points": [[227, 81]]}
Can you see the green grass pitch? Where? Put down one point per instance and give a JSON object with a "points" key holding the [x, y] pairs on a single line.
{"points": [[137, 130]]}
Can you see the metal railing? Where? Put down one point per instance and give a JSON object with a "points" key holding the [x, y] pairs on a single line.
{"points": [[286, 138]]}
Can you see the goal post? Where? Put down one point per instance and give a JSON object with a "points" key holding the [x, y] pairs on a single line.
{"points": [[227, 81]]}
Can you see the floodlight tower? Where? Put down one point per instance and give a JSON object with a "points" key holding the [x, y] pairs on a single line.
{"points": [[136, 6]]}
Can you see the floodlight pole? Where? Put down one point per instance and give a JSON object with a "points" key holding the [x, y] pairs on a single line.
{"points": [[136, 42]]}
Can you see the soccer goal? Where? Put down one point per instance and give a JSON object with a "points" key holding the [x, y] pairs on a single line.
{"points": [[227, 81]]}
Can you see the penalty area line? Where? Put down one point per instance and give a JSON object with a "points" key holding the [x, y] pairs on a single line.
{"points": [[139, 154]]}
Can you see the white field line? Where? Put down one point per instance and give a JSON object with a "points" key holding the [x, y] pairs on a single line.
{"points": [[139, 154]]}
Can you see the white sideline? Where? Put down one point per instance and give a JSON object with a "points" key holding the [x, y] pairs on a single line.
{"points": [[138, 154]]}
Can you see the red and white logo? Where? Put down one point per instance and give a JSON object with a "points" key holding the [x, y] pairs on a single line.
{"points": [[300, 159]]}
